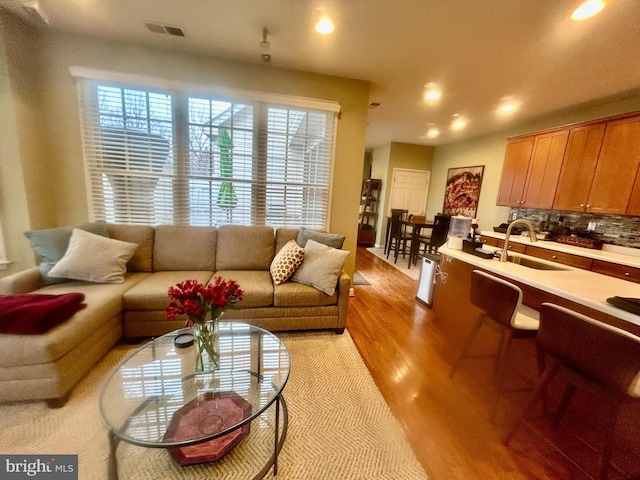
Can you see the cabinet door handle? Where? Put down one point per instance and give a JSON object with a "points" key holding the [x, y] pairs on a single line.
{"points": [[588, 206], [554, 256], [627, 274], [582, 204]]}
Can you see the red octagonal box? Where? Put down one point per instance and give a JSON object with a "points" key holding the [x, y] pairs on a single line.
{"points": [[206, 415]]}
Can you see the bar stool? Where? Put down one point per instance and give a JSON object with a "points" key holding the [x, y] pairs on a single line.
{"points": [[398, 237], [589, 353], [394, 213], [500, 304]]}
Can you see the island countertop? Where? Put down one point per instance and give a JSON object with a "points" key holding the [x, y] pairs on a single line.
{"points": [[581, 286]]}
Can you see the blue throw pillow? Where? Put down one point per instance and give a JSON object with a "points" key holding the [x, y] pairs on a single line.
{"points": [[333, 240], [51, 244]]}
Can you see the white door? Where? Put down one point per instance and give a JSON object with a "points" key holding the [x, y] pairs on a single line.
{"points": [[409, 189]]}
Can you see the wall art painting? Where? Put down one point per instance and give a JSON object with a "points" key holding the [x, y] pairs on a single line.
{"points": [[462, 191]]}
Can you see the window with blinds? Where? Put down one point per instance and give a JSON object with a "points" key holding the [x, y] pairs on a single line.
{"points": [[170, 157]]}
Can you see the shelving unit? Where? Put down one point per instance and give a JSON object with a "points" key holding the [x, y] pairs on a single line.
{"points": [[369, 199]]}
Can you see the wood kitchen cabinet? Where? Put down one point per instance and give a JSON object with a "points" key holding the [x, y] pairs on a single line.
{"points": [[531, 170], [578, 168], [577, 261], [544, 169], [617, 270], [587, 167], [514, 171], [617, 168]]}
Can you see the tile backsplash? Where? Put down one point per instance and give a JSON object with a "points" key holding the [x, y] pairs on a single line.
{"points": [[612, 229]]}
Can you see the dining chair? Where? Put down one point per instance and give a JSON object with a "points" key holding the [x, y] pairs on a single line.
{"points": [[394, 212], [501, 308], [398, 237], [591, 354], [438, 235]]}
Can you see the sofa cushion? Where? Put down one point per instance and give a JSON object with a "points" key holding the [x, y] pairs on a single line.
{"points": [[284, 236], [179, 247], [255, 284], [333, 240], [286, 261], [103, 301], [151, 293], [292, 294], [321, 267], [242, 247], [94, 258], [142, 260], [51, 244]]}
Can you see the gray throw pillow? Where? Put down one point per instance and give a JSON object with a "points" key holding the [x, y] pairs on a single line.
{"points": [[321, 267], [51, 244], [333, 240]]}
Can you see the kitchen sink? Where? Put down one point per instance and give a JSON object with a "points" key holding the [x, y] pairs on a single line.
{"points": [[535, 264]]}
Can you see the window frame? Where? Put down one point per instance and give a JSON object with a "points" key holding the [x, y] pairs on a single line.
{"points": [[260, 102]]}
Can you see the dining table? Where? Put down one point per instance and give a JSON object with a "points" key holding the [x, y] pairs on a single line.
{"points": [[417, 224]]}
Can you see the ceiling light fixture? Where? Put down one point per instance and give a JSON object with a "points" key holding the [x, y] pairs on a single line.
{"points": [[432, 93], [265, 47], [508, 105], [457, 122], [433, 132], [588, 9], [325, 26]]}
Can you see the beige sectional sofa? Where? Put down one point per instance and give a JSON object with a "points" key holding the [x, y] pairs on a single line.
{"points": [[47, 366]]}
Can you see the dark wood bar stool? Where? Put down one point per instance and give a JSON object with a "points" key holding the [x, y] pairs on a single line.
{"points": [[500, 304], [587, 353], [398, 237], [387, 237]]}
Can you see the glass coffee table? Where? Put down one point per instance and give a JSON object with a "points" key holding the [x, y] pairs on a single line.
{"points": [[154, 398]]}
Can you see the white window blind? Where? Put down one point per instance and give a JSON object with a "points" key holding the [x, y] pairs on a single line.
{"points": [[155, 156]]}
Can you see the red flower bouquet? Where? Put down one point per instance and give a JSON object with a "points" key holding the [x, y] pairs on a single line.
{"points": [[193, 299], [203, 306]]}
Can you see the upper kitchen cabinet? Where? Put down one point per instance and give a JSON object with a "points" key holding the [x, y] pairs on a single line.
{"points": [[514, 171], [617, 168], [579, 165], [531, 169], [544, 169]]}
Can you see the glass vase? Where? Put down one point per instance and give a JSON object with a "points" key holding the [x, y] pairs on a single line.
{"points": [[206, 343]]}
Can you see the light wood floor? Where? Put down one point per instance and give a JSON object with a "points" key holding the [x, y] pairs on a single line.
{"points": [[447, 421]]}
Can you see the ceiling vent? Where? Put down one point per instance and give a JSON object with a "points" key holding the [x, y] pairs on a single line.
{"points": [[165, 29]]}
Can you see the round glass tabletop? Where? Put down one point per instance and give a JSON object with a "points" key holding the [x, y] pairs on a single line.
{"points": [[156, 385]]}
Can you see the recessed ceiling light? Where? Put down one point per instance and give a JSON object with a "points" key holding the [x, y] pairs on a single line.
{"points": [[325, 26], [588, 9], [458, 122], [433, 132], [432, 92], [508, 105]]}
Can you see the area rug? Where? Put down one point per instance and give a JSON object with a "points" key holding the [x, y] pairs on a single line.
{"points": [[339, 425], [358, 279], [402, 264]]}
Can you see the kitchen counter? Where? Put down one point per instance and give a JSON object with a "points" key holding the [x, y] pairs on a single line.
{"points": [[583, 287], [609, 253]]}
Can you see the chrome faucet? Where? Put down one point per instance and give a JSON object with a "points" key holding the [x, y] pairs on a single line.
{"points": [[532, 234]]}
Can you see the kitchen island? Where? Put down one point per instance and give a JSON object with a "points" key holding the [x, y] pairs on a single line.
{"points": [[578, 289], [582, 290]]}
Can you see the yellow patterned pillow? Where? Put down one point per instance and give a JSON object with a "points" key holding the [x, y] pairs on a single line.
{"points": [[286, 262]]}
